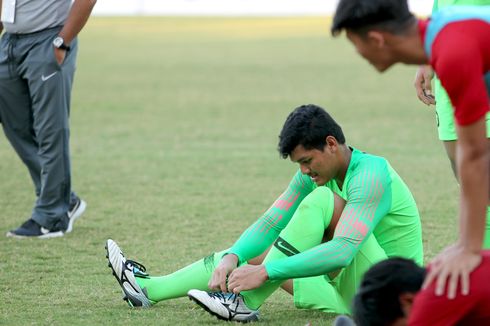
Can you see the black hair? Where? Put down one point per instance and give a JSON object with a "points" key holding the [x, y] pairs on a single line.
{"points": [[377, 300], [308, 125], [362, 15]]}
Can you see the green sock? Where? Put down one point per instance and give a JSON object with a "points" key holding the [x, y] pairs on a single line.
{"points": [[255, 298], [304, 231], [177, 284], [486, 240]]}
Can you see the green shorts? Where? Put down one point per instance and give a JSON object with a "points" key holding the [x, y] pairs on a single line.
{"points": [[445, 114], [335, 296]]}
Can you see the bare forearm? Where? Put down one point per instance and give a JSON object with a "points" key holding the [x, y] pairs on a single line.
{"points": [[78, 16], [473, 170]]}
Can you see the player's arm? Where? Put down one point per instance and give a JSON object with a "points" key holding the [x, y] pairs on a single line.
{"points": [[368, 200], [460, 72], [77, 17], [423, 86], [260, 235]]}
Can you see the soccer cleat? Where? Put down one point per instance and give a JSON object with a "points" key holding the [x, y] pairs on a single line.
{"points": [[225, 306], [75, 211], [31, 229], [125, 270]]}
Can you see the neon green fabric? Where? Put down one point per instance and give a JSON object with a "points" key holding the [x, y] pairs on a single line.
{"points": [[260, 235], [177, 284], [304, 231], [443, 3], [377, 201], [336, 296], [486, 240], [444, 110], [446, 128]]}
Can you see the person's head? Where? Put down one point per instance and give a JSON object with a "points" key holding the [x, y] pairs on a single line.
{"points": [[312, 138], [372, 26], [386, 293]]}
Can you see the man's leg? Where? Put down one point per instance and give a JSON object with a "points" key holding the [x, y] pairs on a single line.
{"points": [[177, 284], [50, 89], [335, 296], [16, 113], [447, 134], [305, 230]]}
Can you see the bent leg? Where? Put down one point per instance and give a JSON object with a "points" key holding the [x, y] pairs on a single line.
{"points": [[335, 296], [304, 231]]}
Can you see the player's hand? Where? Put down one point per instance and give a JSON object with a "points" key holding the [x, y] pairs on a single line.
{"points": [[218, 279], [452, 266], [59, 54], [423, 86], [247, 277]]}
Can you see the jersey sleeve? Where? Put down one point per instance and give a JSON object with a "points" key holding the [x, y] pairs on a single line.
{"points": [[260, 235], [458, 62], [368, 201]]}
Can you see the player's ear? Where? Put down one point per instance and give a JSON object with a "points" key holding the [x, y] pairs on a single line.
{"points": [[331, 142], [377, 38], [406, 302]]}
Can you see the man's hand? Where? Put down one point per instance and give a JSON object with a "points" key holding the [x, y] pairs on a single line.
{"points": [[453, 264], [218, 280], [423, 86], [59, 55], [247, 277]]}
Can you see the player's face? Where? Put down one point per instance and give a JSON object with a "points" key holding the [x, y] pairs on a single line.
{"points": [[320, 166], [372, 47]]}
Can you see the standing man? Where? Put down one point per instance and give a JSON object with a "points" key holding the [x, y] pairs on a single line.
{"points": [[37, 63], [446, 128], [456, 43]]}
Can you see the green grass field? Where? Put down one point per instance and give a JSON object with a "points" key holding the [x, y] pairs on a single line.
{"points": [[173, 136]]}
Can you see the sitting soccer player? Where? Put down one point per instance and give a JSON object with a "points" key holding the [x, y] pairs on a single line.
{"points": [[455, 41], [343, 211], [390, 294]]}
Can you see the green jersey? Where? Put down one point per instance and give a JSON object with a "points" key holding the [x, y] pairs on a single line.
{"points": [[377, 202]]}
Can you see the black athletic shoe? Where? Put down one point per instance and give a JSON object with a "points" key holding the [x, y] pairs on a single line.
{"points": [[31, 229]]}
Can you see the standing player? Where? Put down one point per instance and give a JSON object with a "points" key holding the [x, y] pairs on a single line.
{"points": [[456, 43], [380, 219], [444, 109]]}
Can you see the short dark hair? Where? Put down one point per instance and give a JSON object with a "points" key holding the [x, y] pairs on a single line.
{"points": [[377, 300], [308, 125], [363, 15]]}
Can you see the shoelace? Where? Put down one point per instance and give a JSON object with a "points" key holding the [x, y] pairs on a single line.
{"points": [[137, 265], [224, 296]]}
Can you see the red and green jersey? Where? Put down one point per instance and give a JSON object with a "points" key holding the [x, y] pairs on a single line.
{"points": [[377, 202], [457, 41]]}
